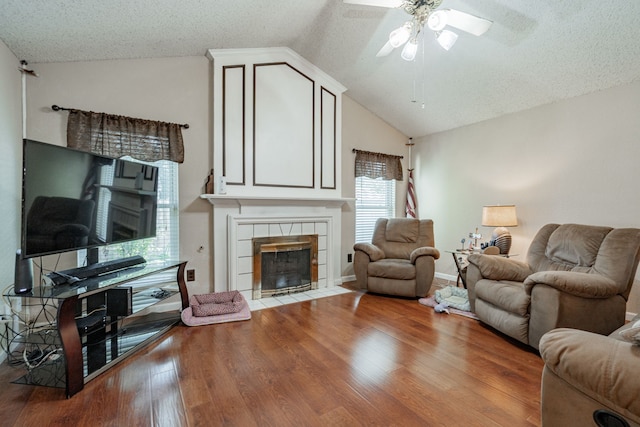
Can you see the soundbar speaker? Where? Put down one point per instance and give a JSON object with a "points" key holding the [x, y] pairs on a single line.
{"points": [[23, 282]]}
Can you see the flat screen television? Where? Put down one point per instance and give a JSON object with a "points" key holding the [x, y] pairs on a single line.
{"points": [[74, 200]]}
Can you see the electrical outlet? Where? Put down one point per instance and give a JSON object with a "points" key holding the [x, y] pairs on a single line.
{"points": [[349, 257], [191, 275]]}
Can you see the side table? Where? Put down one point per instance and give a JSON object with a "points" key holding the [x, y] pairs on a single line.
{"points": [[460, 258]]}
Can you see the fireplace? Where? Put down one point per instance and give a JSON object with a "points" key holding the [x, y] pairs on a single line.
{"points": [[284, 265], [237, 220]]}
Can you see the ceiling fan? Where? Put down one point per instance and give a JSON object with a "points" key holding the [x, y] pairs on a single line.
{"points": [[426, 12]]}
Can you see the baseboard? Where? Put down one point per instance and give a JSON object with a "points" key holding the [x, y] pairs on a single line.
{"points": [[346, 279], [449, 277]]}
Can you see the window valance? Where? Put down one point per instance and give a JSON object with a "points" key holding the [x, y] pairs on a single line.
{"points": [[378, 165], [118, 136]]}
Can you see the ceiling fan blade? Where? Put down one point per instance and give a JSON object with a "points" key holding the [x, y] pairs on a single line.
{"points": [[378, 3], [466, 22], [385, 50]]}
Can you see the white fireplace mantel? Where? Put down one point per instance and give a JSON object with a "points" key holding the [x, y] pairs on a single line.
{"points": [[223, 199]]}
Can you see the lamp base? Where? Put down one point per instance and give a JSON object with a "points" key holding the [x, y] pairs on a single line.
{"points": [[502, 239]]}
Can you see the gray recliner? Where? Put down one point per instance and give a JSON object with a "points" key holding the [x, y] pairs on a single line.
{"points": [[400, 260], [575, 276]]}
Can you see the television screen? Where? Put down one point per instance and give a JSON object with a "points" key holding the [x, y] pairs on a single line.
{"points": [[74, 200]]}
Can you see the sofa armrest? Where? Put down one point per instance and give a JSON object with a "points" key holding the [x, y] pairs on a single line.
{"points": [[585, 285], [424, 251], [500, 268], [599, 366], [374, 252]]}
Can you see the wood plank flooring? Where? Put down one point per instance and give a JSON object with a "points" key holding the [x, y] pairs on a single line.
{"points": [[355, 359]]}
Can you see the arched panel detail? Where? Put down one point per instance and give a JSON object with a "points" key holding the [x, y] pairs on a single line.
{"points": [[233, 124], [327, 139], [283, 126]]}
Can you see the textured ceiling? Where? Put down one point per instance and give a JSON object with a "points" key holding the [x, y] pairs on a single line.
{"points": [[536, 52]]}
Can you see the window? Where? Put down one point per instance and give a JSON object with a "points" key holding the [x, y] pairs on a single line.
{"points": [[375, 174], [147, 141], [375, 198], [166, 243]]}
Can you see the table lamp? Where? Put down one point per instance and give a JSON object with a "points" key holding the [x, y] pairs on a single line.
{"points": [[500, 216]]}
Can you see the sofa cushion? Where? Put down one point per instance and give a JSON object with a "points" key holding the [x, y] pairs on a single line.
{"points": [[402, 230], [400, 269], [506, 322], [575, 244], [506, 295]]}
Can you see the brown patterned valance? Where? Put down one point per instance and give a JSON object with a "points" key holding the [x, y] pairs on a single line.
{"points": [[118, 136], [378, 165]]}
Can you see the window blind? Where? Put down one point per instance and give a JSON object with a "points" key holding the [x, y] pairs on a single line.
{"points": [[375, 198], [165, 246]]}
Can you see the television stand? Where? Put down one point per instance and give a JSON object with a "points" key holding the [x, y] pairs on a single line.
{"points": [[94, 328]]}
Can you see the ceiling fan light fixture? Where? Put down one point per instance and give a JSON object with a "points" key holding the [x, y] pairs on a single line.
{"points": [[438, 20], [410, 49], [446, 39], [399, 36]]}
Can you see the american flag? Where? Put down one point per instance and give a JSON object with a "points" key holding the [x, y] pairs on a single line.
{"points": [[411, 206]]}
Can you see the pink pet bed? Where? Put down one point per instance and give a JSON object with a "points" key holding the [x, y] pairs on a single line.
{"points": [[213, 308]]}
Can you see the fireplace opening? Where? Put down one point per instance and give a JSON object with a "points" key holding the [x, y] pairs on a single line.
{"points": [[284, 265]]}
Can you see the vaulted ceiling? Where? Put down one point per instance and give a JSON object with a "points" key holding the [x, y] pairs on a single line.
{"points": [[535, 53]]}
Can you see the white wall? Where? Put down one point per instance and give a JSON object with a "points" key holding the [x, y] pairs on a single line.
{"points": [[10, 162], [10, 167], [572, 161], [167, 89], [363, 130], [179, 90]]}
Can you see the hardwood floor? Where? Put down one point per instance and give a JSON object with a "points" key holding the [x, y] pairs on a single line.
{"points": [[348, 360]]}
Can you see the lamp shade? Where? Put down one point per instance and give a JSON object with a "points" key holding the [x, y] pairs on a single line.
{"points": [[499, 216], [399, 36], [437, 20], [447, 39], [410, 49]]}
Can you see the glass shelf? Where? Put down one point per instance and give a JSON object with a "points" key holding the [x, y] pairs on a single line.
{"points": [[94, 330]]}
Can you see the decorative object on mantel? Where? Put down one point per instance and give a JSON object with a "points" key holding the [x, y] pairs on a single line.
{"points": [[500, 216], [222, 185], [208, 186], [117, 136]]}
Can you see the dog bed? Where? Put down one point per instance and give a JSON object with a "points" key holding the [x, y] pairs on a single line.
{"points": [[213, 308], [454, 297]]}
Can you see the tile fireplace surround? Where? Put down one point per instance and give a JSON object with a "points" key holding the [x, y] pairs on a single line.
{"points": [[237, 220]]}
